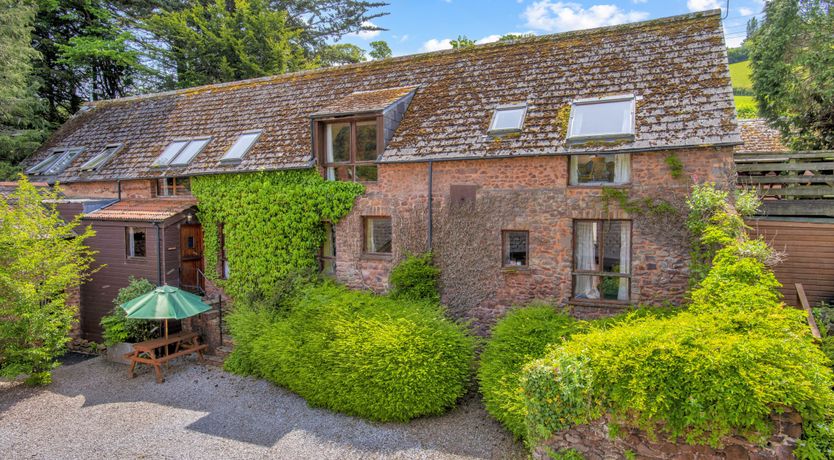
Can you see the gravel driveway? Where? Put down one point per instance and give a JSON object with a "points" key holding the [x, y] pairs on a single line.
{"points": [[92, 410]]}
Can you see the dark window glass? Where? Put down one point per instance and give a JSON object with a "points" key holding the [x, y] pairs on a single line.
{"points": [[366, 141], [136, 242], [596, 169], [516, 250], [173, 186], [378, 235], [338, 143], [602, 259], [366, 173]]}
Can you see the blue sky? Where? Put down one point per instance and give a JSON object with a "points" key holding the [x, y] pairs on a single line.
{"points": [[416, 26]]}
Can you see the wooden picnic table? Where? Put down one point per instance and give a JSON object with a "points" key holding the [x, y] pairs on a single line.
{"points": [[155, 352]]}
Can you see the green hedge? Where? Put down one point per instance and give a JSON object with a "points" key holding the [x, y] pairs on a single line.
{"points": [[416, 278], [355, 352], [518, 338]]}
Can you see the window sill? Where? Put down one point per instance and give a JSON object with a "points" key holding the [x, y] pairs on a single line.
{"points": [[136, 260], [520, 269], [599, 302], [598, 186]]}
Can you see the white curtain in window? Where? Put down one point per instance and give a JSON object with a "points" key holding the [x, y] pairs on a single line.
{"points": [[625, 259], [574, 169], [622, 168], [331, 172], [586, 233]]}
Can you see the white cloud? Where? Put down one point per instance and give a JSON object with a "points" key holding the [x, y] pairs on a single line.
{"points": [[701, 5], [639, 2], [488, 39], [552, 16], [366, 34], [437, 45], [744, 11]]}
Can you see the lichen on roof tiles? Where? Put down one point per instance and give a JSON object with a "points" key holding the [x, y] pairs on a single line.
{"points": [[758, 136], [142, 210], [677, 66]]}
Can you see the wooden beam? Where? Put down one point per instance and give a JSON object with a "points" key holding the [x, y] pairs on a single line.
{"points": [[823, 207], [811, 190], [795, 155], [803, 302], [825, 165], [751, 180]]}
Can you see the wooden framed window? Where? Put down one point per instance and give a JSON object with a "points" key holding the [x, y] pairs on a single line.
{"points": [[327, 258], [515, 246], [378, 235], [136, 242], [222, 261], [350, 149], [173, 186], [600, 169], [602, 260]]}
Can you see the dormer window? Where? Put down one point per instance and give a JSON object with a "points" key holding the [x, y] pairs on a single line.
{"points": [[507, 119], [181, 152], [56, 162], [602, 118], [351, 149], [241, 147]]}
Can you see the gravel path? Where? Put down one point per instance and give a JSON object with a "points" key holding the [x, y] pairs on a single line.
{"points": [[92, 410]]}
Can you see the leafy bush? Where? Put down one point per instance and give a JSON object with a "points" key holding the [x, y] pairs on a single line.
{"points": [[415, 278], [118, 327], [721, 367], [518, 338], [354, 352]]}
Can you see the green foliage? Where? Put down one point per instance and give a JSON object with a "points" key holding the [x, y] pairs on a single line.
{"points": [[675, 166], [340, 54], [219, 41], [746, 106], [416, 278], [737, 54], [272, 222], [518, 338], [713, 222], [793, 70], [354, 352], [564, 454], [41, 259], [817, 441], [649, 205], [462, 42], [118, 327], [380, 50]]}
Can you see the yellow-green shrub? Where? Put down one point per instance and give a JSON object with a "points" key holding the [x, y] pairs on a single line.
{"points": [[355, 352]]}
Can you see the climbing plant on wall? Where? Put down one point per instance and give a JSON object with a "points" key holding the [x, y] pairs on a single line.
{"points": [[272, 223]]}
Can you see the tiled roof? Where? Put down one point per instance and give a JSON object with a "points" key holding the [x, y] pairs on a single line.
{"points": [[145, 210], [677, 67], [758, 136], [366, 101], [7, 188]]}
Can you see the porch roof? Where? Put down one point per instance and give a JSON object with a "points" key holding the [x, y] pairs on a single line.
{"points": [[142, 210]]}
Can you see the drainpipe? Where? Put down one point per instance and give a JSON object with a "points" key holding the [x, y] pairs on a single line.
{"points": [[430, 205], [158, 253]]}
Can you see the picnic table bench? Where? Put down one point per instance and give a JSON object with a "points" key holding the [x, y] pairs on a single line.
{"points": [[155, 352]]}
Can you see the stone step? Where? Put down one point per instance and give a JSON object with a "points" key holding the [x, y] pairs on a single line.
{"points": [[213, 360]]}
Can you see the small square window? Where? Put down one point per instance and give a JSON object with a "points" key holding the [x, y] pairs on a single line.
{"points": [[378, 235], [602, 118], [507, 119], [136, 242], [241, 146], [600, 169], [516, 248]]}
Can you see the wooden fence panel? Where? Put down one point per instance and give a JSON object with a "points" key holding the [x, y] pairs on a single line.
{"points": [[808, 249]]}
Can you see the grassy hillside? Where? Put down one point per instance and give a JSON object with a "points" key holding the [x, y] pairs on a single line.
{"points": [[745, 104], [740, 75]]}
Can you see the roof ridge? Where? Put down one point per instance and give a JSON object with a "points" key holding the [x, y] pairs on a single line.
{"points": [[290, 75]]}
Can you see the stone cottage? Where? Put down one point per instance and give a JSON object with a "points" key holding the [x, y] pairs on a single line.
{"points": [[550, 167]]}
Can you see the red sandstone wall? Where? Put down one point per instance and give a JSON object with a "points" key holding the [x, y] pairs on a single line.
{"points": [[527, 194], [130, 189]]}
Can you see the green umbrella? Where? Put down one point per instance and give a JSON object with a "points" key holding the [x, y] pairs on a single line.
{"points": [[165, 302]]}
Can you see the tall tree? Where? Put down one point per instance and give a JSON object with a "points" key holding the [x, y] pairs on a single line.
{"points": [[41, 259], [226, 40], [792, 60], [21, 128], [323, 21], [462, 42], [340, 54], [380, 50], [84, 55]]}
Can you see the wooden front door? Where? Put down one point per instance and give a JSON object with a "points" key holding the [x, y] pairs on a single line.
{"points": [[191, 258]]}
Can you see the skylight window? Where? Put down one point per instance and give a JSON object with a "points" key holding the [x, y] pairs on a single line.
{"points": [[56, 162], [609, 117], [241, 146], [100, 158], [508, 119], [180, 153]]}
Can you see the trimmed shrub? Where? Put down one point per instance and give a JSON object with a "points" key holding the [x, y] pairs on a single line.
{"points": [[518, 338], [416, 278], [118, 327], [355, 352]]}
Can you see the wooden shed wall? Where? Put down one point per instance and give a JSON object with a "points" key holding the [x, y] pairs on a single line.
{"points": [[97, 294], [808, 249]]}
